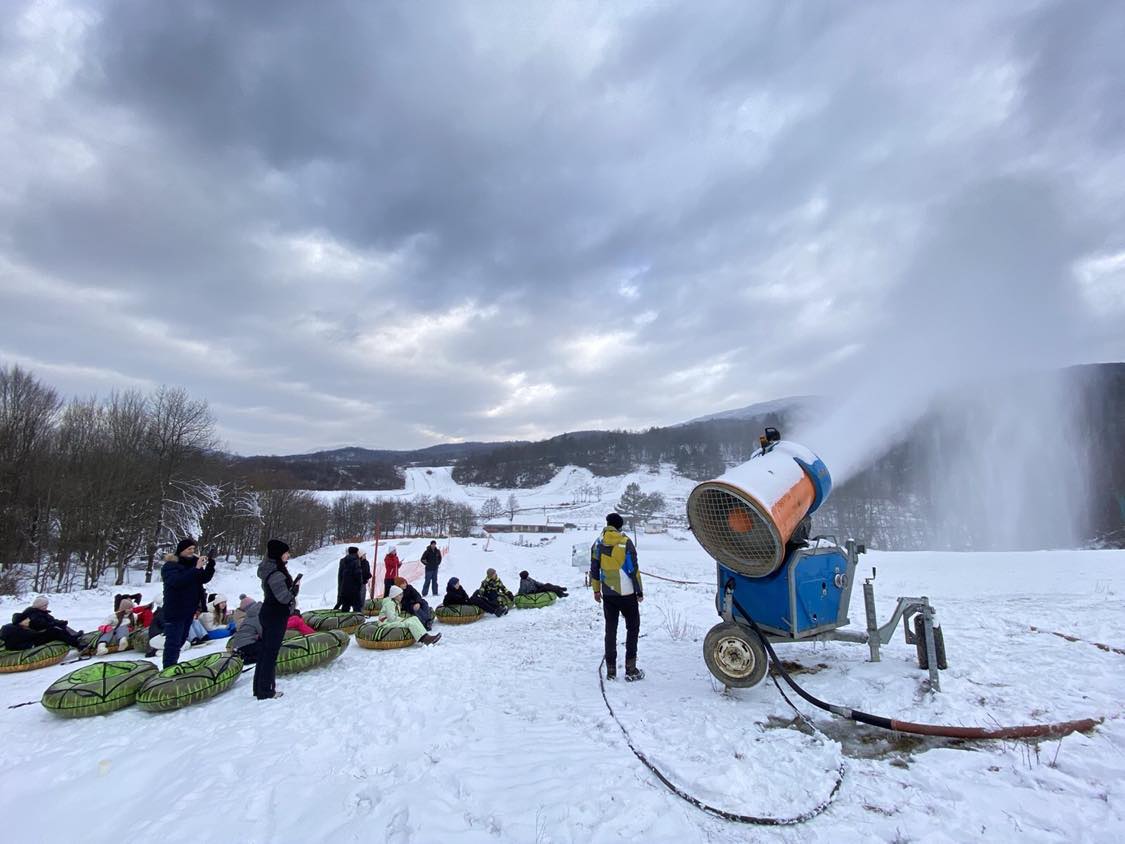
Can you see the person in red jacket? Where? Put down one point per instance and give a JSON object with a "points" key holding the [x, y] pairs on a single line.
{"points": [[297, 623], [391, 564]]}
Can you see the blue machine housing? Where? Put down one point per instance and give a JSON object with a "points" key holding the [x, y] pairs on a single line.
{"points": [[809, 594]]}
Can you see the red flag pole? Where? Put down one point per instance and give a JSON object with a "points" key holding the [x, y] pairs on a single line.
{"points": [[375, 560]]}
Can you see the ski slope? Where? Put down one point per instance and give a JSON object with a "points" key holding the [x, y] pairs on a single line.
{"points": [[561, 498], [499, 734]]}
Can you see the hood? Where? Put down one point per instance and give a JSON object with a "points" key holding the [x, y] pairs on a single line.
{"points": [[612, 536], [253, 610], [266, 567]]}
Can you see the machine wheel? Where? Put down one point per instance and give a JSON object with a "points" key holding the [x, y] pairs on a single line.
{"points": [[920, 645], [735, 656]]}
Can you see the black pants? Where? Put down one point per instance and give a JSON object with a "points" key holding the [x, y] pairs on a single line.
{"points": [[615, 606], [387, 584], [273, 618], [560, 591], [175, 634], [352, 602], [249, 653]]}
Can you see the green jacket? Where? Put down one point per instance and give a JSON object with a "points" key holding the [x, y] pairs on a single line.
{"points": [[612, 558]]}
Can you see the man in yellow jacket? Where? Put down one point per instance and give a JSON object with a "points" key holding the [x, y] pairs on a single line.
{"points": [[616, 579]]}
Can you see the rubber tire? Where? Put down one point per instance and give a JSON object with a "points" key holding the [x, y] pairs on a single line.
{"points": [[727, 636], [920, 646]]}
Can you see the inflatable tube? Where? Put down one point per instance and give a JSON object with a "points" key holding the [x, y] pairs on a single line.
{"points": [[138, 639], [505, 601], [304, 652], [40, 656], [372, 606], [89, 641], [535, 601], [382, 637], [321, 620], [459, 614], [288, 635], [189, 682], [97, 689]]}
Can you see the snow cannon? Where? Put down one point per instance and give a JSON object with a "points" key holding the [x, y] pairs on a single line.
{"points": [[755, 522], [745, 518]]}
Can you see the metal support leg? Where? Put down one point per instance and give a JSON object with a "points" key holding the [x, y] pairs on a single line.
{"points": [[931, 648], [872, 621]]}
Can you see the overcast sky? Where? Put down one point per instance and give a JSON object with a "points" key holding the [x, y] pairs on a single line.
{"points": [[394, 224]]}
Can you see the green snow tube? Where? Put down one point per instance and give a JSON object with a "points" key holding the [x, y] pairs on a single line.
{"points": [[189, 682], [535, 600], [97, 689], [40, 656], [459, 614], [289, 634], [89, 640], [382, 637], [304, 652], [372, 606], [504, 601], [320, 620], [138, 639]]}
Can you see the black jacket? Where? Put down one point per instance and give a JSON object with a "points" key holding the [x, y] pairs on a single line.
{"points": [[156, 626], [40, 619], [183, 586], [353, 573], [410, 597], [431, 557], [456, 597]]}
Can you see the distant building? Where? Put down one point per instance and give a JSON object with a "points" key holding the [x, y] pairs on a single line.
{"points": [[521, 527]]}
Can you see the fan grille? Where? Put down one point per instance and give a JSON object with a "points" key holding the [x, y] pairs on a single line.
{"points": [[734, 529]]}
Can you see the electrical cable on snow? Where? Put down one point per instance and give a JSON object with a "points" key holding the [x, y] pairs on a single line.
{"points": [[1099, 645], [734, 817]]}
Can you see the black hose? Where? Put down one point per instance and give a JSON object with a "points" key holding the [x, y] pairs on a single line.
{"points": [[734, 817], [1055, 730]]}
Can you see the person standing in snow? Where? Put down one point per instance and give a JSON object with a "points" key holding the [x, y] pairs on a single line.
{"points": [[351, 577], [184, 575], [391, 565], [280, 593], [431, 559], [616, 579]]}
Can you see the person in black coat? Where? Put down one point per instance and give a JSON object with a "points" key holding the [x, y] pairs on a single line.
{"points": [[414, 604], [431, 559], [36, 626], [351, 577], [455, 595], [184, 575], [279, 590], [530, 586]]}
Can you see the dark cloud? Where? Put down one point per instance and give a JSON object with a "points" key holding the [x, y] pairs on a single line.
{"points": [[369, 223]]}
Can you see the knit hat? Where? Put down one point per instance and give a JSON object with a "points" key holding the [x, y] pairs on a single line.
{"points": [[219, 598], [453, 581], [352, 549], [275, 548], [523, 575], [40, 602], [490, 573], [395, 593], [614, 520], [184, 544], [244, 602], [126, 605]]}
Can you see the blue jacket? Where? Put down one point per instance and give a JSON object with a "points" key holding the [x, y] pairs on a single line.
{"points": [[182, 582]]}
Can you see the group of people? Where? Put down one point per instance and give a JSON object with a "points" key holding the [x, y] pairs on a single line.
{"points": [[186, 614]]}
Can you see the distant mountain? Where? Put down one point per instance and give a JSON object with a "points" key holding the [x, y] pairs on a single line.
{"points": [[793, 405]]}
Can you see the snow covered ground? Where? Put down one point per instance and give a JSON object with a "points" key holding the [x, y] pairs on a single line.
{"points": [[499, 734]]}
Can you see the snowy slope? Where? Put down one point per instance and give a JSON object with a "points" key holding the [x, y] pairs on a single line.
{"points": [[498, 734]]}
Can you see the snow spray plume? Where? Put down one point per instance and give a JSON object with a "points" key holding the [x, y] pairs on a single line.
{"points": [[989, 293]]}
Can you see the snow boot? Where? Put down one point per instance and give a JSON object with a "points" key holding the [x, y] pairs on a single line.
{"points": [[430, 639], [632, 673], [611, 672], [150, 653], [123, 644], [103, 649]]}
